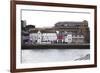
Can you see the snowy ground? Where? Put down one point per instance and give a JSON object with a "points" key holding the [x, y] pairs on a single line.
{"points": [[52, 55]]}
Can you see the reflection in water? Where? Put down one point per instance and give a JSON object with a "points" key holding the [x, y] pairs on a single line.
{"points": [[52, 55]]}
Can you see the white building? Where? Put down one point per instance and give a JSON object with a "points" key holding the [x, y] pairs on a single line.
{"points": [[49, 37], [68, 38], [43, 37], [33, 37], [74, 38], [78, 39]]}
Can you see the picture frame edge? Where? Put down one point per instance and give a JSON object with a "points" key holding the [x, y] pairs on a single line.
{"points": [[13, 36]]}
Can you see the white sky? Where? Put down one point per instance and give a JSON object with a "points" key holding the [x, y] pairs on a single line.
{"points": [[48, 19]]}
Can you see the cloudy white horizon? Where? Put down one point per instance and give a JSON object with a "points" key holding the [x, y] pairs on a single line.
{"points": [[48, 18]]}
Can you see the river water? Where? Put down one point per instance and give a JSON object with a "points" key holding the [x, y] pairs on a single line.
{"points": [[52, 55]]}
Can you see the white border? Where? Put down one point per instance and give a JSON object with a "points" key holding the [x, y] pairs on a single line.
{"points": [[71, 63]]}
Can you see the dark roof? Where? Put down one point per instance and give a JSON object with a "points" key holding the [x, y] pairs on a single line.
{"points": [[43, 31], [30, 26], [64, 22], [24, 33], [68, 24]]}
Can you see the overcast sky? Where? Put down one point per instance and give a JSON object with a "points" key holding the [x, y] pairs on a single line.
{"points": [[42, 18]]}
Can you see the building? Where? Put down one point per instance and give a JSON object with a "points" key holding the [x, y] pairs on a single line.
{"points": [[33, 37], [39, 37], [23, 24], [49, 37], [60, 37], [43, 37], [77, 39], [25, 35], [62, 33], [79, 30], [68, 37]]}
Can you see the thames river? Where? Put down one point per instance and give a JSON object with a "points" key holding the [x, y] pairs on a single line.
{"points": [[53, 55]]}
